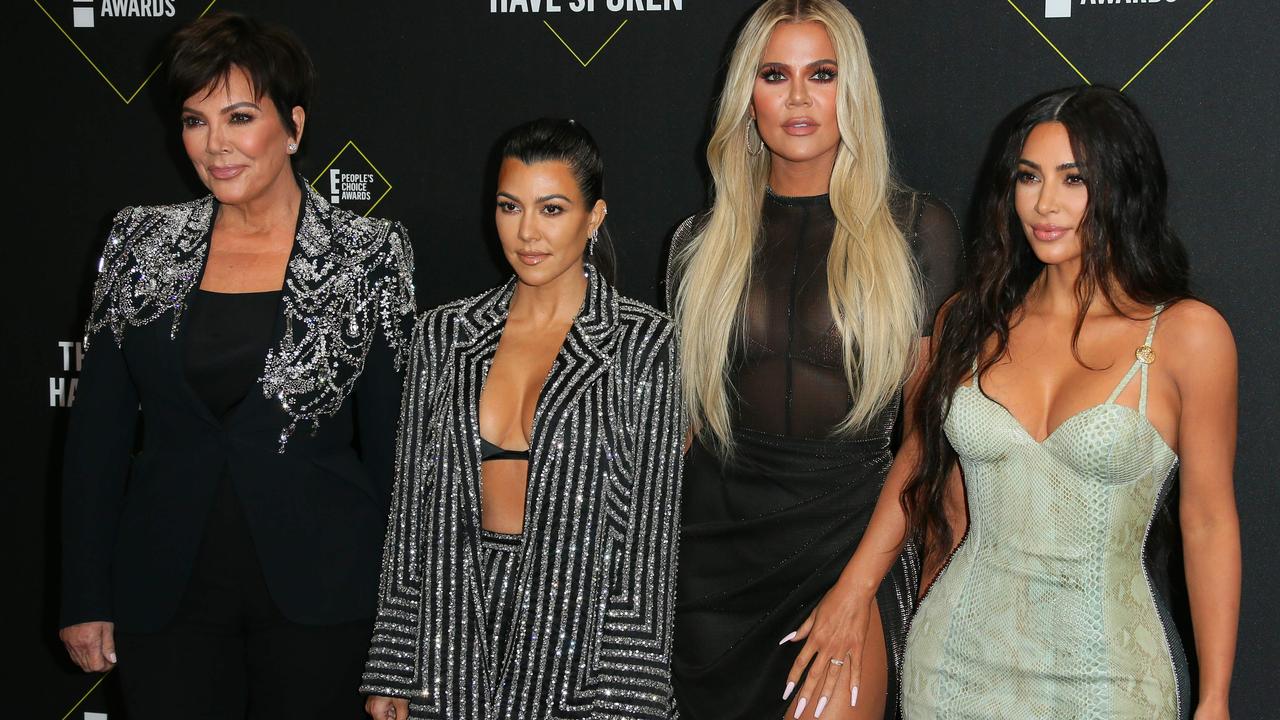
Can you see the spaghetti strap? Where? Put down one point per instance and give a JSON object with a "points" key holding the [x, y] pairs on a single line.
{"points": [[1145, 355], [974, 378]]}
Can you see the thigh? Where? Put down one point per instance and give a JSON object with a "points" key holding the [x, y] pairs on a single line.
{"points": [[873, 682], [184, 671], [310, 671]]}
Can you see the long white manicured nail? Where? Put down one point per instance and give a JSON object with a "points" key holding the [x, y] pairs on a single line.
{"points": [[853, 697], [822, 703], [787, 639], [800, 708], [787, 693]]}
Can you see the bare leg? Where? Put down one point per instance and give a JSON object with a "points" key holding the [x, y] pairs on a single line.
{"points": [[872, 687]]}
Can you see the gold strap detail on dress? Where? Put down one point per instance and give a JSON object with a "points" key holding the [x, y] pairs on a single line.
{"points": [[1145, 355]]}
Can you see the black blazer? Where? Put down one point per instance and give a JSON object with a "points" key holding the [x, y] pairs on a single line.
{"points": [[132, 524]]}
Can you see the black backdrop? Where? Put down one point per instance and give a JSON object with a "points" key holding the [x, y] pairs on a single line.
{"points": [[413, 94]]}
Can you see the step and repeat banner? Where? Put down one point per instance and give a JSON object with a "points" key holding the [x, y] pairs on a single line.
{"points": [[413, 95]]}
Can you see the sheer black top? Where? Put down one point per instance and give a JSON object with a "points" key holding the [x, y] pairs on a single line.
{"points": [[788, 376]]}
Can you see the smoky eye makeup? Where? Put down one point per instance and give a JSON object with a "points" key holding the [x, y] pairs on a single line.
{"points": [[772, 73], [824, 73]]}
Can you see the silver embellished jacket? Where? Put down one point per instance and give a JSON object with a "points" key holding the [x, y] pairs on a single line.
{"points": [[591, 637], [348, 278], [316, 507]]}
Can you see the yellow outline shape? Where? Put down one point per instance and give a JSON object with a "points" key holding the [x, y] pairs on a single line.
{"points": [[1140, 70], [94, 65], [87, 694], [352, 144], [598, 50], [1166, 45], [1046, 39]]}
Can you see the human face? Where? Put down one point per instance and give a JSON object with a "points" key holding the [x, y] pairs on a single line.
{"points": [[237, 142], [543, 221], [794, 100], [1050, 195]]}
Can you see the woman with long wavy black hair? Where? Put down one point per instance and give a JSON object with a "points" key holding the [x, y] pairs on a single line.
{"points": [[1070, 418]]}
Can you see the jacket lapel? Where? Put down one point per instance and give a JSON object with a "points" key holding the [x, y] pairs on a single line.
{"points": [[480, 329]]}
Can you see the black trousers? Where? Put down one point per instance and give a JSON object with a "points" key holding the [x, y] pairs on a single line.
{"points": [[229, 654]]}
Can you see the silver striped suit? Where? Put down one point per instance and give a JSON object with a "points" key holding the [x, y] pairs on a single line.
{"points": [[591, 632]]}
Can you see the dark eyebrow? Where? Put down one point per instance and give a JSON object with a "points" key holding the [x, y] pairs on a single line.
{"points": [[225, 110], [236, 106], [815, 63], [1063, 166], [543, 199]]}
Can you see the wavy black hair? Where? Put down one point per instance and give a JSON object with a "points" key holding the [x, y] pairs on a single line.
{"points": [[1127, 245], [567, 141]]}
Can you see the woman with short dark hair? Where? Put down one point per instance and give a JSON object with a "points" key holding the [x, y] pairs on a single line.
{"points": [[230, 565]]}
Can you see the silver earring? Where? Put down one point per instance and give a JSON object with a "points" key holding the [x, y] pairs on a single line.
{"points": [[293, 147], [760, 147], [591, 244]]}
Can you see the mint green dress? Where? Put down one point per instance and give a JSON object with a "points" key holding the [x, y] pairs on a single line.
{"points": [[1047, 610]]}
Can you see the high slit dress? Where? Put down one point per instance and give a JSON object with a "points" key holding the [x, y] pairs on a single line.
{"points": [[766, 534]]}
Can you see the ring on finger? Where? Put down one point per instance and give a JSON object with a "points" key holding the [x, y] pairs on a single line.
{"points": [[837, 662]]}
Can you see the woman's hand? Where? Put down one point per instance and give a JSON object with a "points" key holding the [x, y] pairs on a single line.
{"points": [[387, 708], [834, 634], [92, 645]]}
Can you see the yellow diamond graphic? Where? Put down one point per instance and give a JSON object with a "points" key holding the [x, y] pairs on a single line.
{"points": [[1077, 70], [351, 190], [126, 98], [595, 54]]}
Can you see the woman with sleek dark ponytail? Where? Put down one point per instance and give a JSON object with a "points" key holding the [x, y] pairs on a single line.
{"points": [[1070, 418], [530, 560]]}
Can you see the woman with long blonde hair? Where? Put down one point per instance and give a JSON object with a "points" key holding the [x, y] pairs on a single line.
{"points": [[801, 296]]}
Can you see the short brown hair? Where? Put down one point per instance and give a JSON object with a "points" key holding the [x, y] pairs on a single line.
{"points": [[203, 53]]}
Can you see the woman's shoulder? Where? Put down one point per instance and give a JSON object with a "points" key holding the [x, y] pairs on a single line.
{"points": [[648, 331], [690, 227], [141, 223], [1193, 329], [633, 312], [922, 215], [358, 234]]}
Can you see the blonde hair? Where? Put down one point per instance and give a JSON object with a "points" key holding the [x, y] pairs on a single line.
{"points": [[873, 286]]}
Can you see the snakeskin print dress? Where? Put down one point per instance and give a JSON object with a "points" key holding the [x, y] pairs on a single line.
{"points": [[1047, 610]]}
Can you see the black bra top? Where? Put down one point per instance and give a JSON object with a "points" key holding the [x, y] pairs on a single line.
{"points": [[489, 451]]}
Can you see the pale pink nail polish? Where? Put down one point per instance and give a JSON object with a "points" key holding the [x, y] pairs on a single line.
{"points": [[822, 703], [853, 697], [800, 708], [787, 693], [112, 658], [787, 639]]}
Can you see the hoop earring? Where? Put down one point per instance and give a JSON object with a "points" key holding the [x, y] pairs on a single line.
{"points": [[760, 147]]}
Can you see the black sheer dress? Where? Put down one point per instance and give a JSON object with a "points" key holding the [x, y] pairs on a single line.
{"points": [[767, 534]]}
